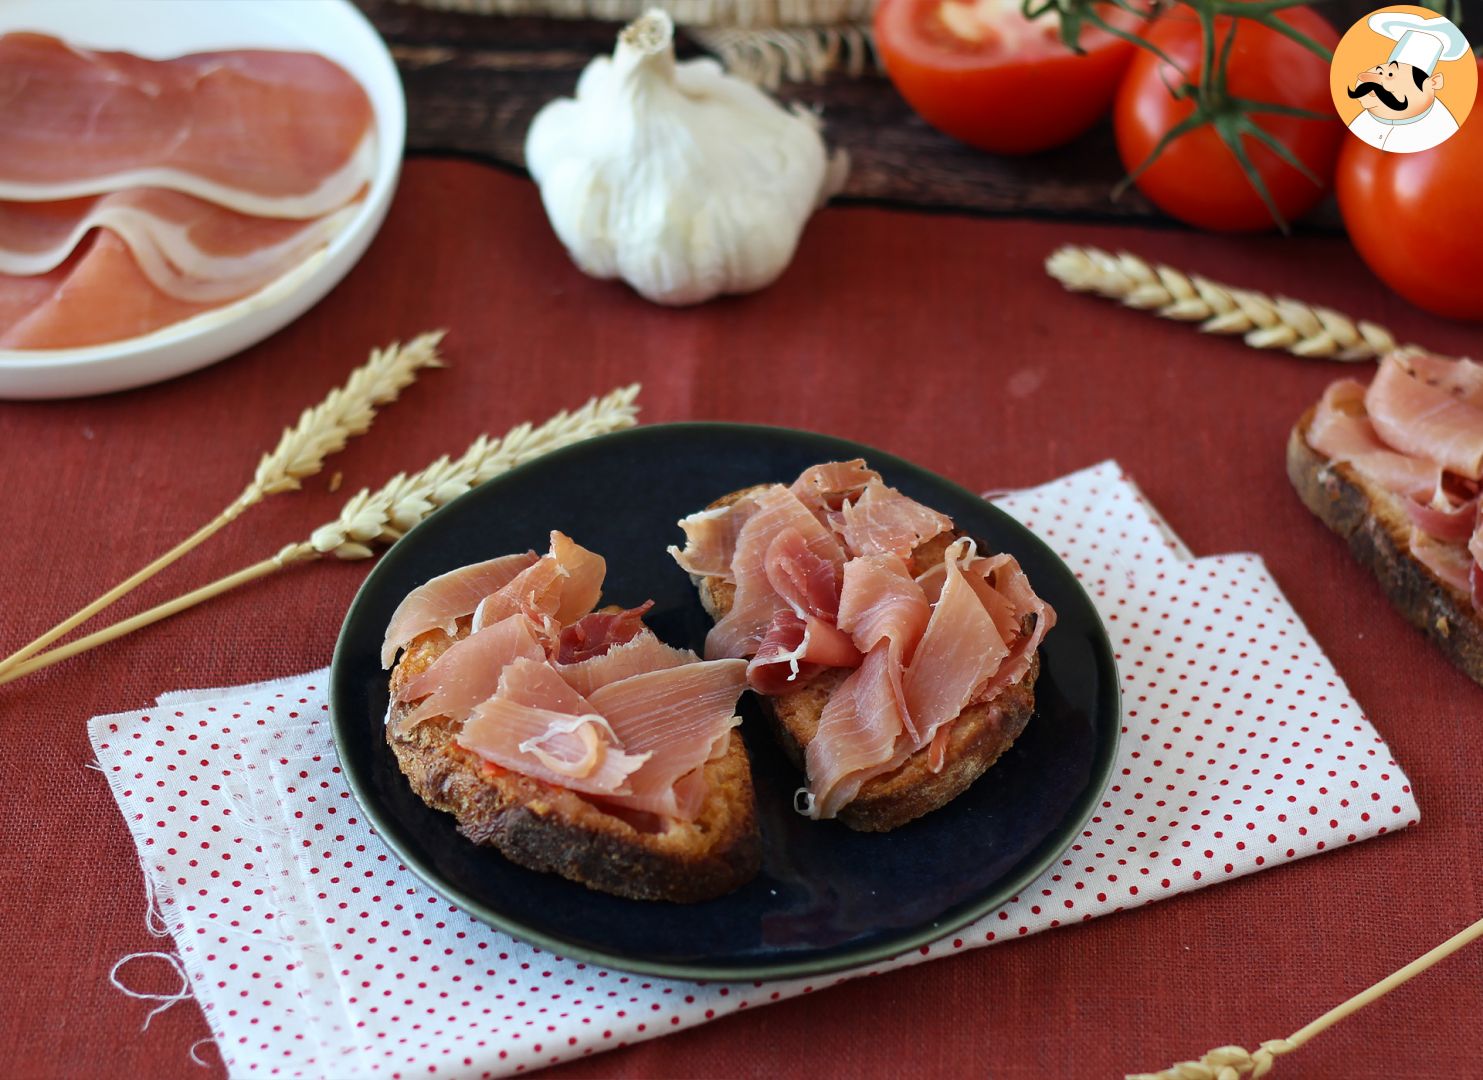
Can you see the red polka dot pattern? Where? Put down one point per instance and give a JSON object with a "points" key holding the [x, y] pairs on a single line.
{"points": [[314, 953]]}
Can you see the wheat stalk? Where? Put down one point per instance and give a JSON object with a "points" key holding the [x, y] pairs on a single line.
{"points": [[1238, 1063], [346, 412], [1264, 322], [382, 516]]}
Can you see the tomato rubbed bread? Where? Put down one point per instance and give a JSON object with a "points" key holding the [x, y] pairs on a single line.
{"points": [[571, 740], [1395, 469], [896, 662]]}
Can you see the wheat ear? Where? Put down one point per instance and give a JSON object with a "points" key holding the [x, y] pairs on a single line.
{"points": [[321, 431], [1264, 322], [382, 516], [1238, 1063]]}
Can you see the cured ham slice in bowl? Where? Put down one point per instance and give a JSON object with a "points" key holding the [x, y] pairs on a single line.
{"points": [[272, 133], [827, 897], [149, 257], [186, 247], [897, 662]]}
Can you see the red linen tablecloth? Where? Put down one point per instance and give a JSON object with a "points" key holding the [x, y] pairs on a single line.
{"points": [[934, 336]]}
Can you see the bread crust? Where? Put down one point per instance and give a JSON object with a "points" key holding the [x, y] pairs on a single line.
{"points": [[554, 830], [979, 736], [1377, 530]]}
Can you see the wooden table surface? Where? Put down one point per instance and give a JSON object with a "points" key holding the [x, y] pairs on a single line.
{"points": [[473, 83]]}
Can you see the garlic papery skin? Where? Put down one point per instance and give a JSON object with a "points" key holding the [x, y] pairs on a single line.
{"points": [[680, 179]]}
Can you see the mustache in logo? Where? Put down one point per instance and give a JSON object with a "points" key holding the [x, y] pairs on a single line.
{"points": [[1389, 100]]}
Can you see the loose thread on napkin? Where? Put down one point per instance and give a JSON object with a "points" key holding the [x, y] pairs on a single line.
{"points": [[239, 804], [204, 1041], [166, 1000], [154, 918]]}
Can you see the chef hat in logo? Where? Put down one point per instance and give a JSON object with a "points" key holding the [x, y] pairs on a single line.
{"points": [[1420, 41]]}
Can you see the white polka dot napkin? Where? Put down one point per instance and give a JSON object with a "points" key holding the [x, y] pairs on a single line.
{"points": [[315, 954]]}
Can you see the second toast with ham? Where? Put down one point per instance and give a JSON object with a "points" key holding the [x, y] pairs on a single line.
{"points": [[897, 662], [1396, 469]]}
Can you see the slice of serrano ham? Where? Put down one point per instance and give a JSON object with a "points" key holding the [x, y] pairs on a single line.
{"points": [[468, 672], [1019, 614], [554, 592], [186, 247], [1342, 432], [1425, 419], [1462, 378], [1417, 432], [824, 489], [643, 652], [681, 717], [99, 295], [880, 602], [539, 726], [20, 296], [1451, 563], [959, 651], [882, 521], [861, 734], [596, 633], [710, 539], [441, 602], [776, 510], [794, 649], [269, 133]]}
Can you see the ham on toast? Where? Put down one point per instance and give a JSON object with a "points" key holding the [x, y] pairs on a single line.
{"points": [[1395, 468], [571, 740], [896, 662]]}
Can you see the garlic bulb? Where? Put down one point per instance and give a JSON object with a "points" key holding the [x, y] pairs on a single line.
{"points": [[680, 179]]}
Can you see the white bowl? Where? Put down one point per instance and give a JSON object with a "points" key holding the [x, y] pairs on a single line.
{"points": [[159, 30]]}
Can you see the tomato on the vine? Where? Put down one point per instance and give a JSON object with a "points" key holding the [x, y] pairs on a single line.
{"points": [[1196, 178], [1417, 219], [983, 73]]}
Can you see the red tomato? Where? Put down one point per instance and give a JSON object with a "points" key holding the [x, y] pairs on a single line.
{"points": [[1417, 219], [983, 73], [1196, 178]]}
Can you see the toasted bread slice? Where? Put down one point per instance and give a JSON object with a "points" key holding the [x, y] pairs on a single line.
{"points": [[1377, 529], [980, 734], [552, 829]]}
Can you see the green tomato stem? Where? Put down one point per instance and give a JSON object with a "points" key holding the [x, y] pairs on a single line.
{"points": [[1229, 116]]}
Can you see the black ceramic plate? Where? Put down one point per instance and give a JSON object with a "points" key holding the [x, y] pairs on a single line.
{"points": [[827, 897]]}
